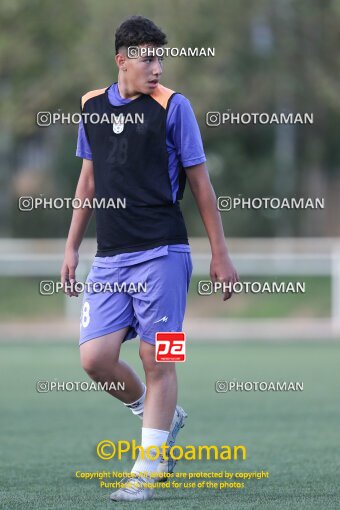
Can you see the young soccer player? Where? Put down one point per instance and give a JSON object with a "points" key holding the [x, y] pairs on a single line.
{"points": [[146, 163]]}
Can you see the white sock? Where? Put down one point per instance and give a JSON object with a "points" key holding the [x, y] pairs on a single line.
{"points": [[137, 407], [150, 437]]}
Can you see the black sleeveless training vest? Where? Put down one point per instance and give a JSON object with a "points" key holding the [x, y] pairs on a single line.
{"points": [[133, 165]]}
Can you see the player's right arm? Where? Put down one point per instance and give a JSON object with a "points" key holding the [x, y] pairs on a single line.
{"points": [[80, 219]]}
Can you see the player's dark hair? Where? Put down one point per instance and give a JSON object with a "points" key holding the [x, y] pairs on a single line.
{"points": [[138, 30]]}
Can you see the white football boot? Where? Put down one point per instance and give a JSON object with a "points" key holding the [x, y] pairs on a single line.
{"points": [[134, 490], [167, 466]]}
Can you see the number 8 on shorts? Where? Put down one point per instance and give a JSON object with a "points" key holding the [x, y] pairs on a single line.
{"points": [[85, 314]]}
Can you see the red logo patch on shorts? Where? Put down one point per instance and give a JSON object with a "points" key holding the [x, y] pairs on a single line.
{"points": [[170, 346]]}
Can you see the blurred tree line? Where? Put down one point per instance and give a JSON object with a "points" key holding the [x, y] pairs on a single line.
{"points": [[271, 56]]}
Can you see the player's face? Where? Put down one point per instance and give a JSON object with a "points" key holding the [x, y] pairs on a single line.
{"points": [[143, 73]]}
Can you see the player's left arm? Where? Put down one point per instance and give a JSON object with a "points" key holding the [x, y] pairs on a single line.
{"points": [[221, 267]]}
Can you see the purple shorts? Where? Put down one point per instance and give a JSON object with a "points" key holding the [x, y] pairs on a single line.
{"points": [[146, 297]]}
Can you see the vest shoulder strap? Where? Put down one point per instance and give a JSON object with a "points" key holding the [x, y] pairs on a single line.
{"points": [[92, 93], [162, 95]]}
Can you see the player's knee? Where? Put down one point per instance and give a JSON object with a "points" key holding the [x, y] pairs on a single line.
{"points": [[90, 363], [95, 363], [147, 355], [158, 372], [154, 369]]}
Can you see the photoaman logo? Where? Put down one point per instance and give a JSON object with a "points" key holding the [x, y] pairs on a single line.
{"points": [[170, 346]]}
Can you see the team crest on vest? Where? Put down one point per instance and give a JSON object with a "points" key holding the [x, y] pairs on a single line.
{"points": [[118, 124]]}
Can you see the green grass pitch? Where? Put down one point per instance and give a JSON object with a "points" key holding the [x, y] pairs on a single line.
{"points": [[46, 437]]}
